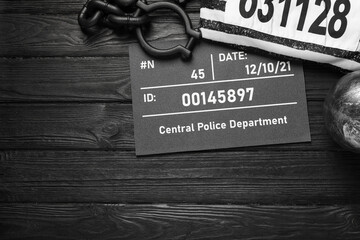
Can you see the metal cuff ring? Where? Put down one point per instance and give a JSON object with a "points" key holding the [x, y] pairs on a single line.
{"points": [[185, 52]]}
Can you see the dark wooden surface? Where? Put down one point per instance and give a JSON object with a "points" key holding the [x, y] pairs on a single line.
{"points": [[68, 168]]}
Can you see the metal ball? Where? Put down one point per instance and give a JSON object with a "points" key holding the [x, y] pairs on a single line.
{"points": [[342, 112]]}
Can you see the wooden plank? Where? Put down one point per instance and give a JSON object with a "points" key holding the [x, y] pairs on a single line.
{"points": [[319, 78], [115, 221], [39, 6], [102, 126], [243, 176], [62, 6], [100, 79], [65, 79], [66, 126], [59, 35]]}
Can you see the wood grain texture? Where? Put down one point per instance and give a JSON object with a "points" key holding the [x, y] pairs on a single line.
{"points": [[67, 149], [65, 79], [66, 126], [103, 126], [62, 6], [244, 176], [24, 35], [112, 221], [39, 6], [101, 79]]}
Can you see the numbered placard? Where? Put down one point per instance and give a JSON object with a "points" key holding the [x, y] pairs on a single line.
{"points": [[222, 98], [325, 22]]}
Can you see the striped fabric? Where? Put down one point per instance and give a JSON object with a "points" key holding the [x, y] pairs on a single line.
{"points": [[215, 25]]}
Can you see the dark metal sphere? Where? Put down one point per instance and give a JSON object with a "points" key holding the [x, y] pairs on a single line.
{"points": [[342, 112]]}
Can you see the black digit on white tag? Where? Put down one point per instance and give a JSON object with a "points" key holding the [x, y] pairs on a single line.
{"points": [[337, 24]]}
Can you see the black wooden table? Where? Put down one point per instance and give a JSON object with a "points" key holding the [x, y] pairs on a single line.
{"points": [[68, 168]]}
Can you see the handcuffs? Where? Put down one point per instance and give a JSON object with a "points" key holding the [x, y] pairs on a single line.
{"points": [[134, 14]]}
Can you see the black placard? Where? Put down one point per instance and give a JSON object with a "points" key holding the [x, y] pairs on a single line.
{"points": [[222, 98]]}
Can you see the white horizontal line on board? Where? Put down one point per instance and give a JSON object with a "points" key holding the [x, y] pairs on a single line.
{"points": [[219, 109], [219, 81]]}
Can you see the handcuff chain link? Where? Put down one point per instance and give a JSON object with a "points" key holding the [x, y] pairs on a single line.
{"points": [[134, 14]]}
